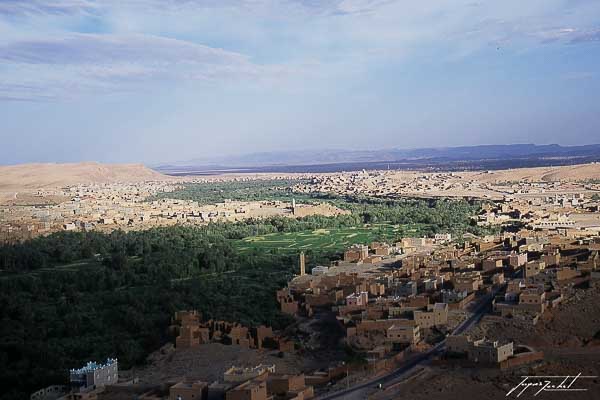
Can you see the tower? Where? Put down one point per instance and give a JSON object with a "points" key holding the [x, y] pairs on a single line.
{"points": [[302, 265], [293, 206]]}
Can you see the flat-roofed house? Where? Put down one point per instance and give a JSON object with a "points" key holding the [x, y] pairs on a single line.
{"points": [[189, 391], [405, 334]]}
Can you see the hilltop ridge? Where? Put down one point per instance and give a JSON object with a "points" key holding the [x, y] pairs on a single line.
{"points": [[47, 175]]}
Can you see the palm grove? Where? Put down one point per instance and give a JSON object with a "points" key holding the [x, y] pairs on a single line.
{"points": [[71, 297]]}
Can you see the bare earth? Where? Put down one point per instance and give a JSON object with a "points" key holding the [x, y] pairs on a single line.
{"points": [[548, 174], [573, 324], [463, 383], [36, 176], [208, 362]]}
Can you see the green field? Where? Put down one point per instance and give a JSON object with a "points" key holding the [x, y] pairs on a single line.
{"points": [[325, 240]]}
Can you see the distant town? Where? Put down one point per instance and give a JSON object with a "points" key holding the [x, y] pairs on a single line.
{"points": [[571, 203], [124, 206]]}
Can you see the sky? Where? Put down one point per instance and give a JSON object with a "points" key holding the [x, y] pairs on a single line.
{"points": [[157, 81]]}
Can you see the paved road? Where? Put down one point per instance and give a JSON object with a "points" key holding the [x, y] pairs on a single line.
{"points": [[360, 391]]}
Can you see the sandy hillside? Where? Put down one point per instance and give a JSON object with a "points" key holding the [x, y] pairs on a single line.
{"points": [[35, 176], [565, 173]]}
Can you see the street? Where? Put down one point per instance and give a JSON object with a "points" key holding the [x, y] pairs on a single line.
{"points": [[361, 390]]}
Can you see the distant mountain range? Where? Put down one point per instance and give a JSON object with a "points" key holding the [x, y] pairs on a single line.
{"points": [[452, 158]]}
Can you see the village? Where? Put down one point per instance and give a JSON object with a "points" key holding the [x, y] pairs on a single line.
{"points": [[299, 199], [108, 207], [393, 304], [495, 185], [380, 310], [534, 197]]}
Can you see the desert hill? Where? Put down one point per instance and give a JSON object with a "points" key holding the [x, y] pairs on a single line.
{"points": [[582, 172], [36, 176]]}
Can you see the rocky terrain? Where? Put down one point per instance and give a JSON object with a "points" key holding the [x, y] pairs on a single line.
{"points": [[573, 324], [466, 383], [208, 362]]}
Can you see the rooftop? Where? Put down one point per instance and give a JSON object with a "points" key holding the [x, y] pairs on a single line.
{"points": [[92, 366]]}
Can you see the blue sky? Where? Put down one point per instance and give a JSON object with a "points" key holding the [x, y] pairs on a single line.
{"points": [[165, 80]]}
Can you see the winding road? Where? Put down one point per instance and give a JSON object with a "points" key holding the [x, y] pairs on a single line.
{"points": [[360, 391]]}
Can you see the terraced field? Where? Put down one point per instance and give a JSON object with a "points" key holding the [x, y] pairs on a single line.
{"points": [[333, 239]]}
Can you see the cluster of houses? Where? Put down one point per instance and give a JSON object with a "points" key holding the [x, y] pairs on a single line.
{"points": [[191, 331], [256, 383], [573, 215], [387, 304], [407, 295], [482, 185], [389, 183], [84, 383], [82, 207], [261, 382], [127, 207]]}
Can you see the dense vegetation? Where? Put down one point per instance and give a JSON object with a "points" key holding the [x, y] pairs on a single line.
{"points": [[71, 297], [434, 216], [119, 303], [251, 190], [448, 215]]}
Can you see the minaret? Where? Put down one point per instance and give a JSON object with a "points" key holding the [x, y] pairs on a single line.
{"points": [[293, 206], [302, 265]]}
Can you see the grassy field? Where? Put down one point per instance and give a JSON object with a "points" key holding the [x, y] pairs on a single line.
{"points": [[323, 240]]}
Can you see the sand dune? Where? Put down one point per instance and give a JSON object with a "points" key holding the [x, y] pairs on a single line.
{"points": [[37, 176]]}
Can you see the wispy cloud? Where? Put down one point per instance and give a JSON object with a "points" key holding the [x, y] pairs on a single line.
{"points": [[592, 35], [40, 7], [23, 92], [314, 7], [110, 61], [95, 48], [141, 42]]}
